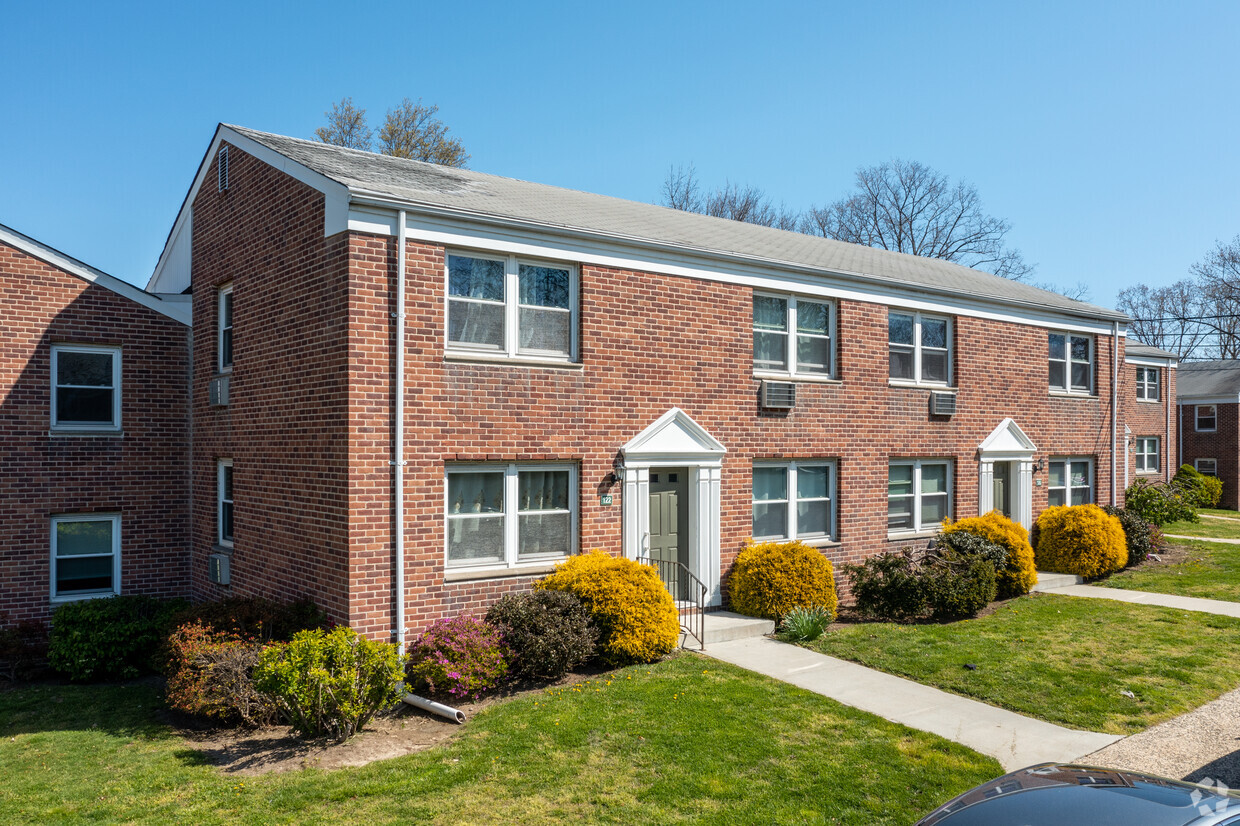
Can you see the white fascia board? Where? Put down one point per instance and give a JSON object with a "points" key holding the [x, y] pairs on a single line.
{"points": [[177, 311], [335, 207], [1150, 361], [1182, 400], [457, 231]]}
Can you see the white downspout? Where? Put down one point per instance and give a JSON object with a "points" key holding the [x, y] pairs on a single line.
{"points": [[1115, 406], [1167, 396], [398, 462]]}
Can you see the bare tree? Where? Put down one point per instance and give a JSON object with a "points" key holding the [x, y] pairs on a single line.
{"points": [[908, 207], [346, 126], [1168, 318], [411, 130], [1218, 276], [747, 204]]}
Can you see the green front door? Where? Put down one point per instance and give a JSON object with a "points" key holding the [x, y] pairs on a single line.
{"points": [[669, 515], [1003, 488]]}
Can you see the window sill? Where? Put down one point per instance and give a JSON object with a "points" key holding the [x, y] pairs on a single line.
{"points": [[900, 536], [470, 574], [222, 549], [1068, 394], [1150, 401], [774, 375], [921, 385], [1215, 430], [82, 597], [1149, 473], [70, 433], [510, 361], [818, 542]]}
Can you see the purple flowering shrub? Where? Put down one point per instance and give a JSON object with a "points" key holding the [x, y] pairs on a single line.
{"points": [[460, 658]]}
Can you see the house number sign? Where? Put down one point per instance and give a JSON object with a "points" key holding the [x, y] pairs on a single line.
{"points": [[605, 499]]}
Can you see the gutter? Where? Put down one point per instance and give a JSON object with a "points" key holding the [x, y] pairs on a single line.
{"points": [[398, 451], [1115, 406]]}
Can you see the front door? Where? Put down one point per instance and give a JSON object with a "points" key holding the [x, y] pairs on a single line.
{"points": [[669, 519], [1003, 488]]}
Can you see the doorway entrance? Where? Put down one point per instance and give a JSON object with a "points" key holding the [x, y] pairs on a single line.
{"points": [[669, 518], [1003, 488]]}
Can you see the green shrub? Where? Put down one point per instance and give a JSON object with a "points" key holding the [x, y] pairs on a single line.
{"points": [[1158, 503], [117, 638], [256, 618], [1198, 490], [460, 658], [958, 585], [1019, 573], [889, 586], [330, 682], [211, 675], [23, 646], [1138, 534], [632, 609], [1080, 539], [804, 624], [964, 543], [769, 579], [545, 633]]}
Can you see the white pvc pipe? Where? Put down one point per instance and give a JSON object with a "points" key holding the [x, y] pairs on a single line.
{"points": [[1115, 407], [398, 482], [435, 708]]}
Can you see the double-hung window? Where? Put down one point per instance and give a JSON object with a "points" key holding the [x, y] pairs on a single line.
{"points": [[1147, 454], [792, 335], [1206, 467], [511, 307], [793, 500], [918, 494], [1071, 363], [508, 515], [224, 344], [919, 348], [86, 388], [1147, 383], [86, 556], [1071, 482], [224, 502], [1207, 418]]}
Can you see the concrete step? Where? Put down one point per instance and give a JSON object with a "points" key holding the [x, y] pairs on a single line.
{"points": [[1050, 582], [724, 626]]}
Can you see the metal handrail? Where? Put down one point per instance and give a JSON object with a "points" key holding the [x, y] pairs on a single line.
{"points": [[689, 593]]}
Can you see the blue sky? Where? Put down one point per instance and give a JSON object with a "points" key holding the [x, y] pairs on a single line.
{"points": [[1107, 134]]}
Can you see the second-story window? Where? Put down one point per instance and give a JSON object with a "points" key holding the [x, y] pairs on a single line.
{"points": [[1071, 363], [791, 335], [919, 347], [86, 387], [1147, 383], [225, 345], [224, 502], [511, 307], [1207, 418]]}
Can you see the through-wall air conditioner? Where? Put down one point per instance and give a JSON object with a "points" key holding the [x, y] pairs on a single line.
{"points": [[942, 404], [218, 392], [779, 395], [218, 568]]}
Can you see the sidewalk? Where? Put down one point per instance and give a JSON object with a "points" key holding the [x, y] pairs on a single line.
{"points": [[1203, 538], [1013, 739], [1206, 606]]}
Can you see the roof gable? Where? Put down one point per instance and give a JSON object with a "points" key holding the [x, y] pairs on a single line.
{"points": [[1007, 438], [674, 434]]}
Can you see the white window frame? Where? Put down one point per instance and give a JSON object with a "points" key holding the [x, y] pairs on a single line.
{"points": [[1066, 388], [115, 519], [1143, 456], [224, 292], [790, 338], [1213, 408], [1147, 390], [511, 514], [220, 540], [790, 479], [1213, 471], [1068, 487], [916, 346], [87, 427], [917, 465], [511, 349]]}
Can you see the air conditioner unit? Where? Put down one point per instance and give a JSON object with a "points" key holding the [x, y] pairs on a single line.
{"points": [[218, 392], [218, 568], [942, 404], [779, 395]]}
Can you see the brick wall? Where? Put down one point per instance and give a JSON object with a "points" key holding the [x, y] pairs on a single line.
{"points": [[1221, 445], [1146, 418], [141, 474]]}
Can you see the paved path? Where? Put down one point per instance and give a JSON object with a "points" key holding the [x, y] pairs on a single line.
{"points": [[1203, 538], [1216, 516], [1207, 606], [1013, 739]]}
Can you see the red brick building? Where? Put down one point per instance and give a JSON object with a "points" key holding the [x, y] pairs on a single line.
{"points": [[1209, 399]]}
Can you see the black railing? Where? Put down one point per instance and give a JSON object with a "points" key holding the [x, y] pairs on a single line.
{"points": [[690, 596]]}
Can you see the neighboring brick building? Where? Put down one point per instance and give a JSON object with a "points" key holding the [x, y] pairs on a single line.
{"points": [[1148, 386], [94, 434], [1209, 399]]}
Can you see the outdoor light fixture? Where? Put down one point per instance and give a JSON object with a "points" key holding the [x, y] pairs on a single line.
{"points": [[1037, 466], [617, 470]]}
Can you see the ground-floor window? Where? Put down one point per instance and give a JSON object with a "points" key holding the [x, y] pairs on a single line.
{"points": [[510, 514], [793, 499], [918, 494], [86, 555], [1206, 467], [1071, 481], [1147, 454]]}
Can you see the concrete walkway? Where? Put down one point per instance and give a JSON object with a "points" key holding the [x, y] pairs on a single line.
{"points": [[1203, 538], [1216, 516], [1205, 606], [1013, 739]]}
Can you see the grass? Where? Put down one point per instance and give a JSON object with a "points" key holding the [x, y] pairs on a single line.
{"points": [[1062, 659], [1212, 528], [1212, 571], [686, 740]]}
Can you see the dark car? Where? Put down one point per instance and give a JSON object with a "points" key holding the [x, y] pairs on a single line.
{"points": [[1058, 794]]}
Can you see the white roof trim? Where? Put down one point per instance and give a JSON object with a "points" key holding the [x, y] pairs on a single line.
{"points": [[673, 435], [1007, 438], [177, 311], [1151, 361], [1184, 399]]}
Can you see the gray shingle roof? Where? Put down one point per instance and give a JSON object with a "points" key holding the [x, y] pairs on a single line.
{"points": [[1208, 378], [414, 183], [1136, 348]]}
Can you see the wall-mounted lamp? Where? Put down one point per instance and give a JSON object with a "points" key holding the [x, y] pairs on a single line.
{"points": [[617, 470], [1038, 465]]}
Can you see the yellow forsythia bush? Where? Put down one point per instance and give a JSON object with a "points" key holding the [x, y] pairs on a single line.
{"points": [[769, 579], [634, 612], [1020, 574], [1080, 539]]}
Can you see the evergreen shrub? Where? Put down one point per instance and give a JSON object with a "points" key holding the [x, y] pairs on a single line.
{"points": [[1018, 573], [545, 633], [769, 579], [1080, 539], [117, 638]]}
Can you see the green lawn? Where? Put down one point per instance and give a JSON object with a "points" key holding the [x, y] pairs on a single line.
{"points": [[686, 740], [1212, 571], [1213, 528], [1220, 512], [1062, 659]]}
